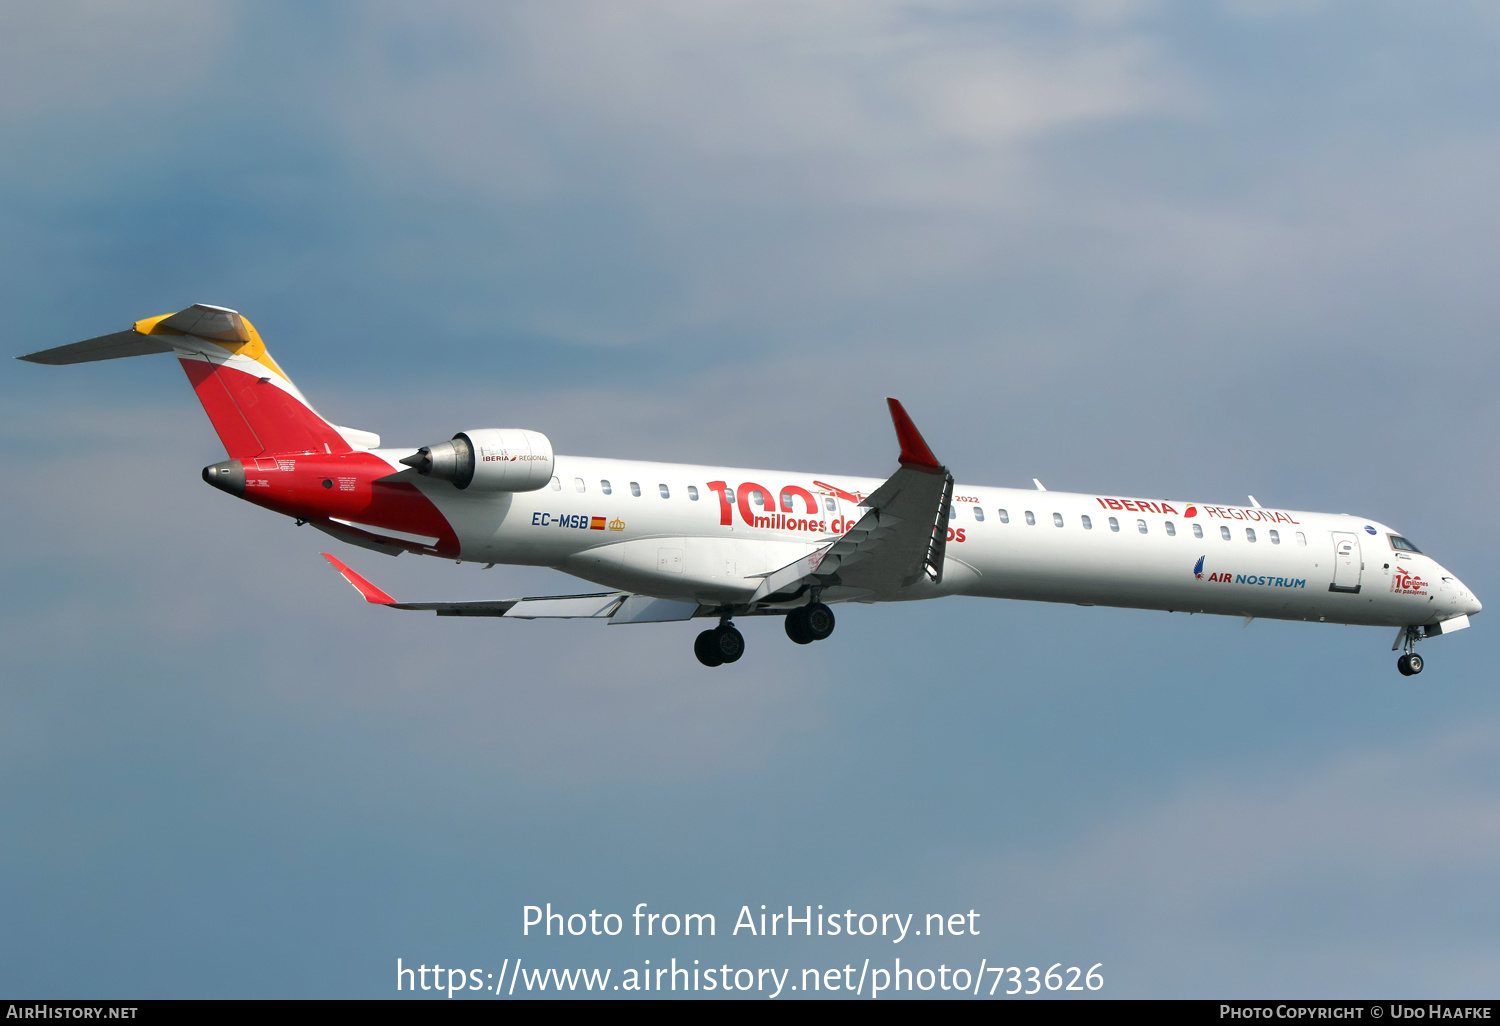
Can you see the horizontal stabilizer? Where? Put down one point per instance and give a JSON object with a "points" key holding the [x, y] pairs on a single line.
{"points": [[150, 336], [106, 347]]}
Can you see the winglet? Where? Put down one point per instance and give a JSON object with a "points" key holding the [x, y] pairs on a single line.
{"points": [[914, 451], [364, 587]]}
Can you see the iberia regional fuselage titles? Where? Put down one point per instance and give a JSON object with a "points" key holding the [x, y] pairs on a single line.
{"points": [[671, 541]]}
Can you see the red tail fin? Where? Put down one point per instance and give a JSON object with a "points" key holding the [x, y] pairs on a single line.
{"points": [[256, 415]]}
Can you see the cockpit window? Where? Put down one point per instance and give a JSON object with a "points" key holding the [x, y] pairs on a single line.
{"points": [[1401, 544]]}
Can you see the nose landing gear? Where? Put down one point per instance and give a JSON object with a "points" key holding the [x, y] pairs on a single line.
{"points": [[1410, 664]]}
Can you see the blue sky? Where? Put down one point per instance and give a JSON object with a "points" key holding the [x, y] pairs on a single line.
{"points": [[1198, 249]]}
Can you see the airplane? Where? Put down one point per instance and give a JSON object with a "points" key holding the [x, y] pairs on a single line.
{"points": [[676, 542]]}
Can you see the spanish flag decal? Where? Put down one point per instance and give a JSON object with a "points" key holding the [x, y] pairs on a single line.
{"points": [[596, 523]]}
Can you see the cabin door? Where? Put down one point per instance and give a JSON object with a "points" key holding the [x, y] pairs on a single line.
{"points": [[1347, 562]]}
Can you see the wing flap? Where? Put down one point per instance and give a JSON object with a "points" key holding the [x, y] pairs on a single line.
{"points": [[598, 605], [645, 609]]}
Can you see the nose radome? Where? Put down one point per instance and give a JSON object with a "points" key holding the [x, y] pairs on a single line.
{"points": [[1466, 603]]}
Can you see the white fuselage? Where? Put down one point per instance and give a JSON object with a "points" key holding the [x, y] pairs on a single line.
{"points": [[661, 530]]}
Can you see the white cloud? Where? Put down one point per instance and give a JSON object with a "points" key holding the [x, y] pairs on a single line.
{"points": [[843, 103]]}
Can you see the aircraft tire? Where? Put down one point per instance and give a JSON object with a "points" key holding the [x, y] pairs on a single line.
{"points": [[729, 643], [819, 620], [1414, 664], [797, 628], [706, 648]]}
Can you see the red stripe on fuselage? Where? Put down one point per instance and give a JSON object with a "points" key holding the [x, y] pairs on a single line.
{"points": [[295, 485], [255, 417]]}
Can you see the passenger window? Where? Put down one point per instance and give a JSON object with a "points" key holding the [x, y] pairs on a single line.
{"points": [[693, 492], [1140, 525], [635, 489], [665, 492], [1057, 519], [1171, 529], [1088, 524], [786, 502], [1249, 534], [828, 503], [1301, 538], [1004, 516], [556, 485], [1275, 537], [758, 497], [605, 488], [952, 512], [578, 483], [1114, 525], [1031, 518], [1224, 533], [729, 496], [979, 514], [1197, 530]]}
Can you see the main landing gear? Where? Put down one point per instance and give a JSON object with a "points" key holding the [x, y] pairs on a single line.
{"points": [[723, 644], [809, 623], [1410, 664]]}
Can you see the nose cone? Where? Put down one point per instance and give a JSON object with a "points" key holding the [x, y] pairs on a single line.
{"points": [[1460, 599]]}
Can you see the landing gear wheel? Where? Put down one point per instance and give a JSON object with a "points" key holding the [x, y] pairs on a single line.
{"points": [[797, 628], [1410, 664], [706, 648], [729, 644], [819, 620]]}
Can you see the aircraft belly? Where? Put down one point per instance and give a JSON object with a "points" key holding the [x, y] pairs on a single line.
{"points": [[708, 570]]}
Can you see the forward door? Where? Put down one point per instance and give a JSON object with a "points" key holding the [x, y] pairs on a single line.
{"points": [[1347, 562]]}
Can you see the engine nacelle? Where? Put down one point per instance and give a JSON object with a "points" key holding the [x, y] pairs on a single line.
{"points": [[489, 460]]}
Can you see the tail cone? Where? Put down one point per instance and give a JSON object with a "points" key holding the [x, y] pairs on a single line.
{"points": [[228, 476]]}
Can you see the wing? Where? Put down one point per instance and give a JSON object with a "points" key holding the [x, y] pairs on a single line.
{"points": [[898, 542], [614, 606]]}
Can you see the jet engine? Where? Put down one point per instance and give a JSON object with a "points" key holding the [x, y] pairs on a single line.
{"points": [[488, 460]]}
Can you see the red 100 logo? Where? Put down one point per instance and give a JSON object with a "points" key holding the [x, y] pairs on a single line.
{"points": [[795, 508]]}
